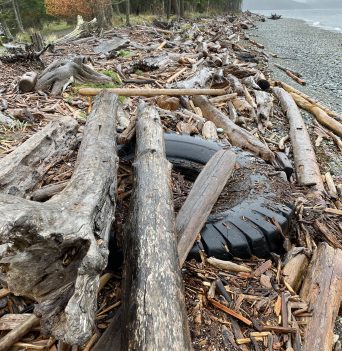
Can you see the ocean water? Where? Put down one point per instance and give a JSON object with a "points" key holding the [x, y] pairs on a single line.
{"points": [[329, 19]]}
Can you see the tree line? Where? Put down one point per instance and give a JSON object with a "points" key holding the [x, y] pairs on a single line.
{"points": [[18, 15]]}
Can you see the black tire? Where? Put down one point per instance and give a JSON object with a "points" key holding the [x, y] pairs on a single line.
{"points": [[249, 226]]}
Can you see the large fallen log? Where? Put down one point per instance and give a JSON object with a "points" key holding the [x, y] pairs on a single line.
{"points": [[306, 166], [22, 169], [322, 290], [59, 248], [203, 196], [238, 136], [321, 116], [153, 92], [154, 316], [291, 89]]}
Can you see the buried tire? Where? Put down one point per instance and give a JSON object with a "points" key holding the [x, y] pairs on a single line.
{"points": [[253, 212]]}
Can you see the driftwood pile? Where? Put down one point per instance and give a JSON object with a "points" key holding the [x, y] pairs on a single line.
{"points": [[62, 193]]}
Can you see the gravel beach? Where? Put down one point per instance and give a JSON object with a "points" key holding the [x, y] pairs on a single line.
{"points": [[314, 52]]}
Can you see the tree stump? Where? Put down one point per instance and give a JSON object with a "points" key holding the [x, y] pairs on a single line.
{"points": [[61, 72]]}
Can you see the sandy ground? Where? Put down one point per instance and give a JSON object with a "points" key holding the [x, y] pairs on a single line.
{"points": [[314, 52]]}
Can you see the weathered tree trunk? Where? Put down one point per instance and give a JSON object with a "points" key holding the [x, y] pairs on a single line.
{"points": [[181, 8], [103, 12], [154, 308], [203, 196], [238, 136], [22, 169], [59, 248], [17, 15], [307, 169], [128, 12], [322, 291], [168, 11], [175, 7]]}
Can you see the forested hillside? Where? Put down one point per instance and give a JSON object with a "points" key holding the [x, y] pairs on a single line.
{"points": [[18, 15]]}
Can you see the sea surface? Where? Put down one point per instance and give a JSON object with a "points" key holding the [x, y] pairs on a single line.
{"points": [[329, 19]]}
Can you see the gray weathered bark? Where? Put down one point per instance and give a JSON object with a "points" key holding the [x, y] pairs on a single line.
{"points": [[22, 169], [203, 196], [154, 308], [59, 248], [322, 291], [306, 166], [61, 72]]}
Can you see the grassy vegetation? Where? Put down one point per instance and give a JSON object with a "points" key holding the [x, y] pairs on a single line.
{"points": [[112, 74]]}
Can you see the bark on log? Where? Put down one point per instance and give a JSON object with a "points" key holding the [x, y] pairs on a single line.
{"points": [[203, 196], [22, 169], [154, 316], [306, 165], [59, 248], [238, 136], [153, 92], [321, 116], [322, 290]]}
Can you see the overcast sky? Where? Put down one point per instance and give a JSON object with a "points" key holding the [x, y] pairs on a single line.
{"points": [[291, 4]]}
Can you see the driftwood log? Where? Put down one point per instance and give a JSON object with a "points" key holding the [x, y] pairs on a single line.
{"points": [[62, 72], [153, 92], [291, 89], [321, 116], [22, 169], [306, 166], [238, 136], [201, 199], [59, 248], [322, 290], [154, 316]]}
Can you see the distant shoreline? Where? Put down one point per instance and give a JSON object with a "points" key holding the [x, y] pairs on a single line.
{"points": [[327, 19], [301, 46]]}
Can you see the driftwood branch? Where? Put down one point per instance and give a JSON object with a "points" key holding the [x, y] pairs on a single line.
{"points": [[59, 248], [153, 286], [306, 165], [152, 92], [203, 196], [238, 136]]}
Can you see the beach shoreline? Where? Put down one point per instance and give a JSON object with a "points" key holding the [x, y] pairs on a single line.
{"points": [[310, 50]]}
